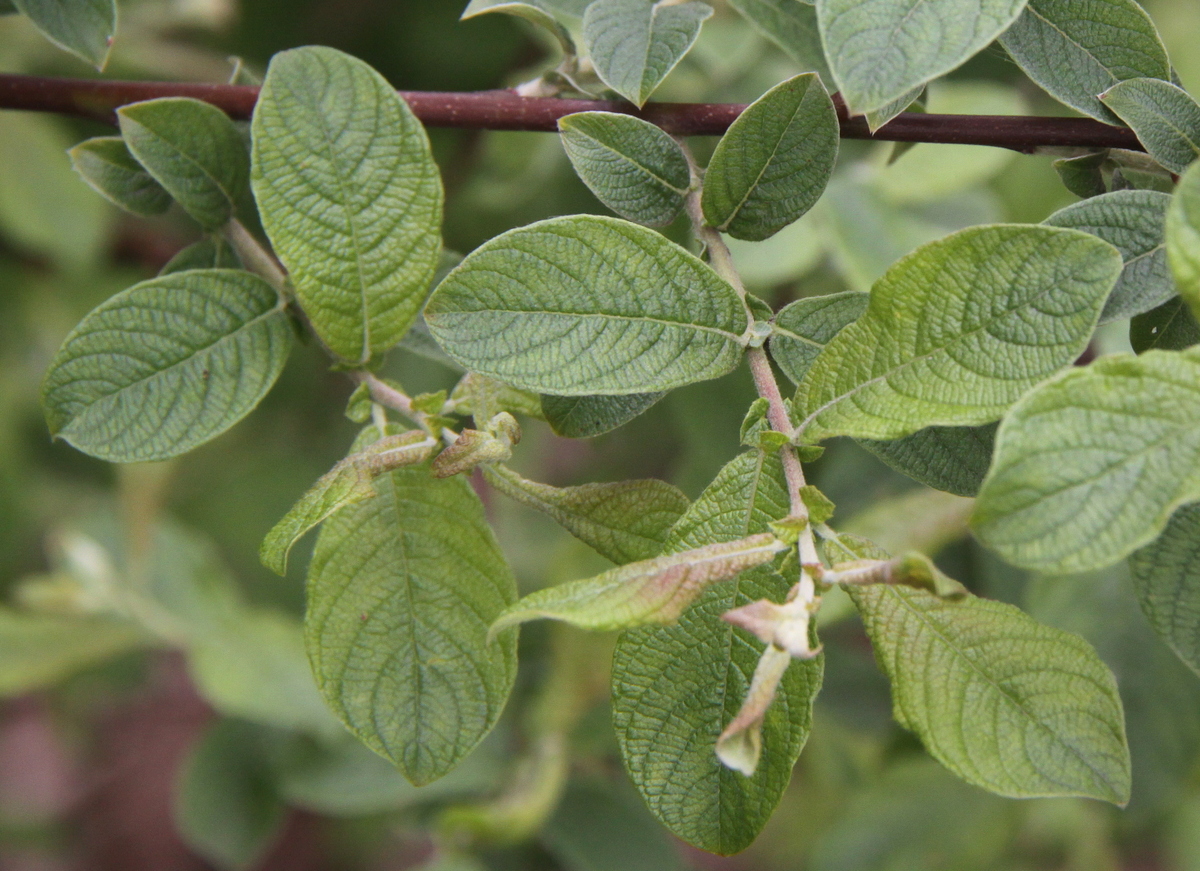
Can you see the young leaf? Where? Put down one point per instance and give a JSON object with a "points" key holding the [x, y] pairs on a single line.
{"points": [[1164, 116], [194, 151], [1134, 222], [1183, 238], [105, 163], [793, 27], [635, 43], [38, 651], [350, 197], [1166, 575], [347, 483], [773, 163], [643, 593], [167, 365], [211, 252], [588, 305], [675, 688], [1077, 51], [625, 521], [950, 458], [401, 591], [85, 28], [1020, 709], [957, 331], [1170, 327], [583, 417], [632, 166], [803, 329], [1091, 465], [881, 49]]}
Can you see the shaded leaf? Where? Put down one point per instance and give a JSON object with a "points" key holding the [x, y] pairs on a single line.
{"points": [[1164, 116], [38, 651], [1183, 238], [211, 252], [1170, 327], [85, 28], [583, 417], [950, 458], [793, 27], [1166, 575], [803, 328], [105, 163]]}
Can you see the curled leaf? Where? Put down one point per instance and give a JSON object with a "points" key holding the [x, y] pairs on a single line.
{"points": [[740, 745], [783, 626]]}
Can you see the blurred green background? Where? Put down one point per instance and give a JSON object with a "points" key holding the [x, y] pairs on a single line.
{"points": [[118, 754]]}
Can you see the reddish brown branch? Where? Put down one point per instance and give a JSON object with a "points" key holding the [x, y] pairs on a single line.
{"points": [[504, 110]]}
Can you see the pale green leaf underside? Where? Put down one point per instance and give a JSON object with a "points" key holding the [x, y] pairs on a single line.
{"points": [[37, 651], [625, 521], [793, 27], [880, 50], [1091, 465], [587, 305], [85, 28], [1135, 223], [194, 151], [1004, 702], [803, 328], [632, 166], [1077, 51], [958, 330], [675, 688], [774, 162], [350, 197], [1166, 575], [1164, 116], [583, 417], [109, 169], [167, 365], [635, 43], [1183, 238], [401, 591]]}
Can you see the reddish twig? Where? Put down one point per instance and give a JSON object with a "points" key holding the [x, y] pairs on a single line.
{"points": [[504, 110]]}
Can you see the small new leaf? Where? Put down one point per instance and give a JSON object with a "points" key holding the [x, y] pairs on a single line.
{"points": [[105, 163], [820, 507], [740, 746]]}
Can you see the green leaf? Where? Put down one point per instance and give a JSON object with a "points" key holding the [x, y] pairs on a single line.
{"points": [[625, 521], [85, 28], [877, 118], [401, 591], [957, 331], [793, 27], [774, 162], [950, 458], [588, 305], [537, 12], [1091, 465], [1021, 709], [1183, 238], [1166, 574], [652, 591], [226, 807], [105, 163], [253, 666], [803, 328], [350, 197], [194, 151], [881, 49], [1170, 327], [1082, 175], [1164, 116], [583, 417], [211, 252], [635, 43], [1077, 51], [632, 166], [167, 365], [347, 483], [38, 651], [1134, 222], [675, 688]]}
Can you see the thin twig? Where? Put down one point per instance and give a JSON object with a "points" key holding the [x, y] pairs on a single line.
{"points": [[505, 110]]}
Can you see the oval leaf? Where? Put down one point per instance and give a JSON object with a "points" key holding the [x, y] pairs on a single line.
{"points": [[85, 28], [958, 330], [167, 365], [803, 328], [675, 688], [350, 197], [1020, 709], [1091, 465], [401, 591], [774, 162], [632, 166], [588, 305], [793, 27], [1077, 51], [193, 150], [1134, 222], [879, 50], [1183, 238], [635, 43], [109, 169], [1166, 575], [950, 458], [1164, 116], [582, 417]]}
